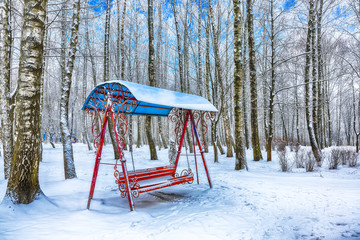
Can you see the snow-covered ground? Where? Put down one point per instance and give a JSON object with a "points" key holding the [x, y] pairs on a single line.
{"points": [[263, 203]]}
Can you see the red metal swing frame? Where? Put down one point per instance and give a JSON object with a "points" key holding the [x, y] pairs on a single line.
{"points": [[128, 182]]}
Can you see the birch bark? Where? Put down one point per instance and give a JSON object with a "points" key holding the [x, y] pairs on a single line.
{"points": [[7, 130], [23, 185], [151, 73], [240, 154], [313, 142], [253, 83], [69, 165]]}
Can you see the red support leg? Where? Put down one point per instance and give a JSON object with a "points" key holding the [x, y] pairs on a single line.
{"points": [[196, 166], [181, 139], [123, 166], [98, 157], [201, 151]]}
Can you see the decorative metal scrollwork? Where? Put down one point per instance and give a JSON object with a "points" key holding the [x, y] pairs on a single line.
{"points": [[122, 102], [135, 186], [185, 172], [177, 116], [120, 181]]}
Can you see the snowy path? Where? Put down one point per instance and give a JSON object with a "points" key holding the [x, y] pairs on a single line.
{"points": [[263, 203]]}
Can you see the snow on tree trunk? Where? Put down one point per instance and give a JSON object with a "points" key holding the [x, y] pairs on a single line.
{"points": [[106, 75], [69, 165], [88, 48], [151, 73], [199, 45], [240, 154], [179, 49], [321, 92], [313, 142], [314, 78], [122, 46], [272, 85], [7, 131], [84, 122], [23, 185], [253, 84], [219, 79], [244, 88]]}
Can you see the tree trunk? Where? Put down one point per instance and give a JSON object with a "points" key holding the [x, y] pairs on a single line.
{"points": [[106, 75], [219, 78], [88, 48], [178, 38], [23, 185], [313, 142], [199, 67], [137, 72], [272, 85], [85, 73], [69, 165], [320, 96], [117, 59], [240, 154], [314, 78], [253, 84], [7, 130], [207, 76], [229, 152], [151, 73], [161, 134], [219, 146], [84, 122], [213, 140], [244, 100], [122, 76]]}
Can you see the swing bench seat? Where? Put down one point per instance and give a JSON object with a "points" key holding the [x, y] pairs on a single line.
{"points": [[189, 178], [154, 173], [151, 173]]}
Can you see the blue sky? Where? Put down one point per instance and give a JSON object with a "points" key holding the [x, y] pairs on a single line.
{"points": [[289, 4], [99, 5]]}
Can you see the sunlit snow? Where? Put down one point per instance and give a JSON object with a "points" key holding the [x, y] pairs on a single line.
{"points": [[263, 203]]}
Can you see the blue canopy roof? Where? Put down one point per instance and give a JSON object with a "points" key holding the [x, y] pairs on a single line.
{"points": [[143, 100]]}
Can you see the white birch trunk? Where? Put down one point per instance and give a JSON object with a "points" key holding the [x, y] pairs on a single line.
{"points": [[69, 165], [23, 185], [7, 133]]}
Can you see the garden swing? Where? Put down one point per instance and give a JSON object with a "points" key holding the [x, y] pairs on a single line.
{"points": [[113, 100]]}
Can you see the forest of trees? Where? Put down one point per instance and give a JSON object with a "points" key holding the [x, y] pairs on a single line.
{"points": [[277, 71]]}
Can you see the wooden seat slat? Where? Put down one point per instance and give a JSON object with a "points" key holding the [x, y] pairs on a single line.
{"points": [[170, 182], [150, 173]]}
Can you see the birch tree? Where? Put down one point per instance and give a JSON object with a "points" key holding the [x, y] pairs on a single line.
{"points": [[272, 83], [253, 84], [69, 165], [313, 142], [106, 73], [240, 156], [7, 130], [151, 74], [23, 185], [179, 48]]}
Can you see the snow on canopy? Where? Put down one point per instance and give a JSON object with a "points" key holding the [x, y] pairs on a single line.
{"points": [[147, 100]]}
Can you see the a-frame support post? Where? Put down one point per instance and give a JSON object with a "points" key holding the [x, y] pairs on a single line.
{"points": [[123, 165], [98, 153], [194, 146], [182, 139], [201, 151]]}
